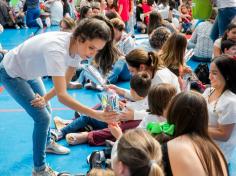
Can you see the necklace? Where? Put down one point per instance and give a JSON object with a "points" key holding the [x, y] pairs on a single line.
{"points": [[215, 104], [214, 108]]}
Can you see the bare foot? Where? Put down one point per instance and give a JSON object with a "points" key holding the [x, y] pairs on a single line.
{"points": [[77, 138], [74, 85], [60, 123]]}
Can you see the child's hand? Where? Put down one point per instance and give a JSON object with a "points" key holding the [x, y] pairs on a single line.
{"points": [[115, 130], [187, 70], [111, 86], [122, 105], [126, 114]]}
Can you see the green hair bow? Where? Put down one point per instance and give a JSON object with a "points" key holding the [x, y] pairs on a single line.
{"points": [[163, 127]]}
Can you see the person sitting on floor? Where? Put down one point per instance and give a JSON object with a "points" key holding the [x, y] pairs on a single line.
{"points": [[7, 19], [221, 101], [228, 47], [140, 84], [159, 96], [201, 42], [137, 153], [124, 41]]}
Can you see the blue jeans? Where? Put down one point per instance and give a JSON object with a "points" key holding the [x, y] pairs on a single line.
{"points": [[24, 92], [119, 72], [222, 20], [82, 122], [31, 16]]}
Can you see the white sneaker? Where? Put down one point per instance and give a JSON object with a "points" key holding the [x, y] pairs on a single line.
{"points": [[48, 22], [39, 22], [56, 148], [46, 172]]}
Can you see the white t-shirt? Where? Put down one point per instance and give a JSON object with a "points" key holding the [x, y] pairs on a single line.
{"points": [[46, 54], [164, 75], [56, 11], [226, 3], [217, 43], [140, 108], [225, 113], [150, 118]]}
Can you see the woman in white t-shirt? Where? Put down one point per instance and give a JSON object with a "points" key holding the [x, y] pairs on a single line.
{"points": [[140, 60], [221, 101], [230, 33], [55, 54]]}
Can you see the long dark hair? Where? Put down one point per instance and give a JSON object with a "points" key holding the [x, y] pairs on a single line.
{"points": [[229, 28], [173, 51], [83, 11], [188, 112], [106, 57], [227, 67], [98, 27]]}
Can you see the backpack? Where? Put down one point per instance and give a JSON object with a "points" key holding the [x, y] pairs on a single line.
{"points": [[202, 72]]}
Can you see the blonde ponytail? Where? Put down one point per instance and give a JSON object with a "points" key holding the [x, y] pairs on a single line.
{"points": [[155, 169], [140, 152]]}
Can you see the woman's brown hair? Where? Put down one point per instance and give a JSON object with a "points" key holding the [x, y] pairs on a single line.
{"points": [[159, 97], [188, 112], [99, 27], [173, 51], [139, 56], [118, 24]]}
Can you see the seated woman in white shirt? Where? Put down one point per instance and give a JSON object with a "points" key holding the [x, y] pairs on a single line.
{"points": [[221, 100]]}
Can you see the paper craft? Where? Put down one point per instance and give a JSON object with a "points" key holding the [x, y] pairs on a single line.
{"points": [[109, 101], [95, 74]]}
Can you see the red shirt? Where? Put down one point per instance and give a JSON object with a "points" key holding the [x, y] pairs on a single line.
{"points": [[146, 8], [125, 11]]}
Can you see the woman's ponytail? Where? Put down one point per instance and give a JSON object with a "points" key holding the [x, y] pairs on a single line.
{"points": [[155, 169], [154, 61]]}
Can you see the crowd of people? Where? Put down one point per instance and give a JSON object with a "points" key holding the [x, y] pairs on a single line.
{"points": [[163, 126]]}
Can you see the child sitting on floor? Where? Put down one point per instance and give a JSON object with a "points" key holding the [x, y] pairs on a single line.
{"points": [[185, 19], [159, 97], [229, 47], [140, 84]]}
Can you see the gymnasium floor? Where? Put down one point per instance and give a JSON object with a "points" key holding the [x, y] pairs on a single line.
{"points": [[16, 126]]}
